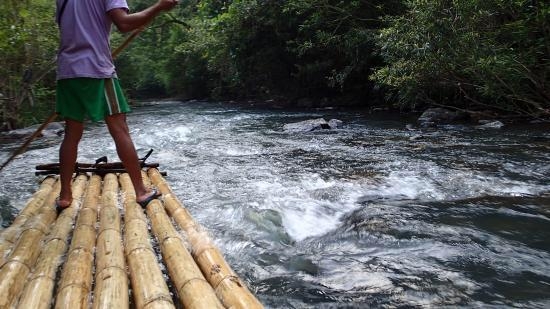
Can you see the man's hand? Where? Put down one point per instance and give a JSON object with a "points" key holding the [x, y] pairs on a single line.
{"points": [[128, 22], [166, 5]]}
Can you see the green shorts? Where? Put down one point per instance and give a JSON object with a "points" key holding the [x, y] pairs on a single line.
{"points": [[92, 97]]}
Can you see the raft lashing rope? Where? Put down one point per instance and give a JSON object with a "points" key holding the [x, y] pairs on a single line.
{"points": [[92, 256]]}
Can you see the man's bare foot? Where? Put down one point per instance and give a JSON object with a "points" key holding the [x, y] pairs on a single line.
{"points": [[145, 199], [61, 205], [63, 202]]}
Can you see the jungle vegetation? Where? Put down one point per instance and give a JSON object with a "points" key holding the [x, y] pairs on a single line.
{"points": [[474, 55]]}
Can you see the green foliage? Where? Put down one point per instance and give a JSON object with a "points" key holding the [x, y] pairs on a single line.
{"points": [[469, 53], [464, 53], [142, 67], [233, 49], [28, 43], [281, 48], [335, 42]]}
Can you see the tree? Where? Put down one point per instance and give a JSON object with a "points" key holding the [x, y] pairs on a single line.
{"points": [[476, 54], [28, 43]]}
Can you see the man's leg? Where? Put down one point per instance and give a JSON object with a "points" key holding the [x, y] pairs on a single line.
{"points": [[127, 152], [67, 159]]}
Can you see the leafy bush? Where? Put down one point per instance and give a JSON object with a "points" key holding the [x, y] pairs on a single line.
{"points": [[470, 54], [283, 48], [28, 41]]}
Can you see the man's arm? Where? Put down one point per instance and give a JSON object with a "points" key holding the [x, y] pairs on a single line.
{"points": [[127, 22]]}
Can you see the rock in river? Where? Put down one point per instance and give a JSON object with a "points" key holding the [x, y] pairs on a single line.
{"points": [[312, 125]]}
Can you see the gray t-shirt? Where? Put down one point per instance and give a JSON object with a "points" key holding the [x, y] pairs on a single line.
{"points": [[84, 49]]}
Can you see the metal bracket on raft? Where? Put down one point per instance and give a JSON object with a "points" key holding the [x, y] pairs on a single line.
{"points": [[100, 167]]}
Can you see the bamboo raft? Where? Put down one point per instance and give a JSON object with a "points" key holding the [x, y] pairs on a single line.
{"points": [[91, 255]]}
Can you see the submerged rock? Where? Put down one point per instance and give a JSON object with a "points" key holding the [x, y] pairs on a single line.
{"points": [[52, 129], [410, 127], [312, 125], [335, 123], [435, 116], [491, 125]]}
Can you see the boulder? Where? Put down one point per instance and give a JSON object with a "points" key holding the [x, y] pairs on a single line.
{"points": [[491, 125], [52, 129], [312, 125], [335, 123], [435, 116]]}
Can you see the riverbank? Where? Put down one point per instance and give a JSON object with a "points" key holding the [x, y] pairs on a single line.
{"points": [[427, 116]]}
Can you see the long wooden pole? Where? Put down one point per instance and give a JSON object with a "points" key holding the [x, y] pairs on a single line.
{"points": [[52, 117], [148, 284], [229, 288], [21, 260], [111, 280], [22, 148]]}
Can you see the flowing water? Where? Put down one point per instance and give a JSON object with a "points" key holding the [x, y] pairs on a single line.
{"points": [[369, 215]]}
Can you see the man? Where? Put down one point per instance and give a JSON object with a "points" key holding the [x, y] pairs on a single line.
{"points": [[87, 84]]}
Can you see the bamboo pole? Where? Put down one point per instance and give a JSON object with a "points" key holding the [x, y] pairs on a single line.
{"points": [[14, 272], [148, 284], [23, 147], [38, 291], [229, 288], [74, 286], [9, 235], [193, 290], [111, 288], [32, 206]]}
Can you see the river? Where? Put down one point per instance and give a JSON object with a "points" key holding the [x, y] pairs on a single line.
{"points": [[373, 214]]}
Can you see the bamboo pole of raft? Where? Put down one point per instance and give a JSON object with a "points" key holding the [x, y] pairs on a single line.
{"points": [[148, 284], [111, 280], [9, 235], [193, 290], [229, 288], [39, 289], [75, 284], [19, 263]]}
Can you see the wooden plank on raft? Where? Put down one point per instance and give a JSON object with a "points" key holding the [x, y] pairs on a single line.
{"points": [[93, 170], [116, 165]]}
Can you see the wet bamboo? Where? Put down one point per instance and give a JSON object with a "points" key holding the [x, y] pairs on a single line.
{"points": [[9, 235], [148, 284], [229, 288], [21, 260], [38, 290], [193, 290], [111, 280], [74, 286]]}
